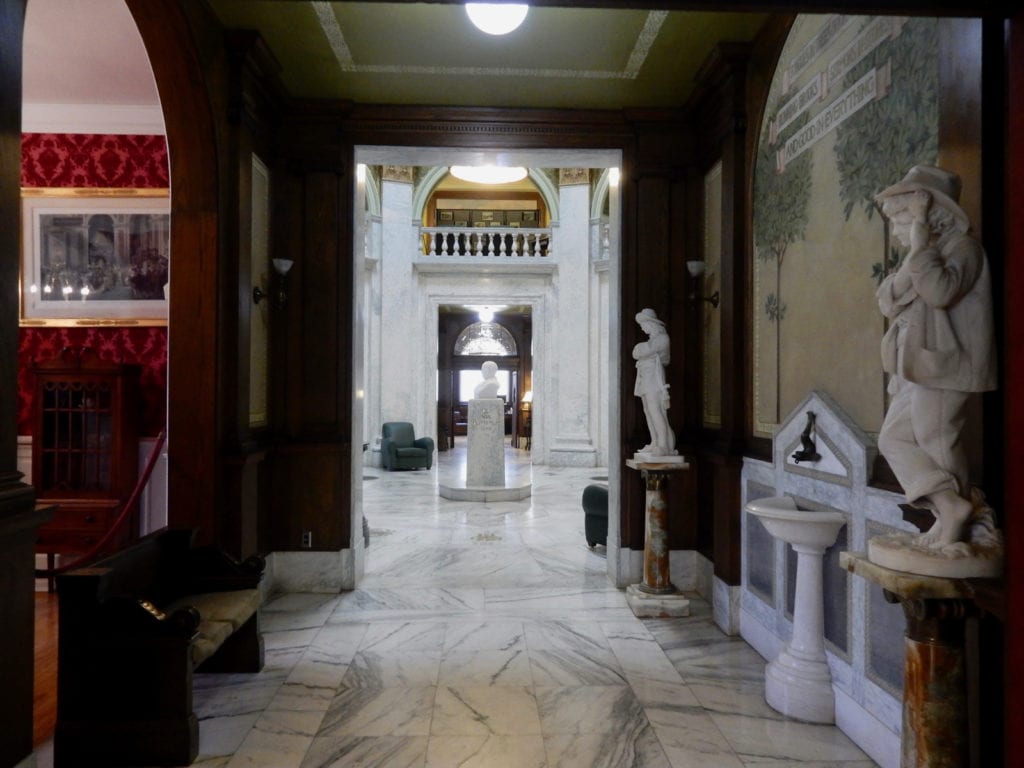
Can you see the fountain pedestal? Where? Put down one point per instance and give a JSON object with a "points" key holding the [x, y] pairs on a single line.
{"points": [[798, 682], [655, 596]]}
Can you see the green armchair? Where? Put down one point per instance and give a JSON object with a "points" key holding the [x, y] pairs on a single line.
{"points": [[401, 449]]}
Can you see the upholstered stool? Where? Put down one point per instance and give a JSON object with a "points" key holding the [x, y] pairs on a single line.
{"points": [[595, 520]]}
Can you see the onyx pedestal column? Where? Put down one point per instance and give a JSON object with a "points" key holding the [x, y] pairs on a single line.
{"points": [[655, 596], [935, 716]]}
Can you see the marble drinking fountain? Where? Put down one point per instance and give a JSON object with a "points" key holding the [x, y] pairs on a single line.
{"points": [[798, 682]]}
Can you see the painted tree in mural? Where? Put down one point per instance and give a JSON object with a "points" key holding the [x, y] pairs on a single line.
{"points": [[780, 199], [880, 143]]}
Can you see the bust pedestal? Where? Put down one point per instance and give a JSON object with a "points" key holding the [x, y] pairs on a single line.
{"points": [[655, 596], [935, 717], [485, 428], [485, 460]]}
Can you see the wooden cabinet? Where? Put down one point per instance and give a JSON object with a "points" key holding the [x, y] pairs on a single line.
{"points": [[84, 448]]}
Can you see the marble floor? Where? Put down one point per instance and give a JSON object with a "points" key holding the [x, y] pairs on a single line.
{"points": [[488, 634]]}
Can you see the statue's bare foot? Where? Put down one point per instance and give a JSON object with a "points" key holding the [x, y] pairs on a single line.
{"points": [[951, 514]]}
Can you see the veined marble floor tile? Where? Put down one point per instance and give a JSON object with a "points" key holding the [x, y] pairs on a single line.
{"points": [[495, 751], [280, 739], [379, 712], [479, 711], [381, 602], [484, 635], [757, 738], [594, 709], [385, 636], [367, 752], [636, 748], [555, 668], [460, 669], [489, 636], [393, 669], [690, 738]]}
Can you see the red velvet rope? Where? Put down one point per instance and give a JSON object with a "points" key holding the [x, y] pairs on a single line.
{"points": [[45, 573]]}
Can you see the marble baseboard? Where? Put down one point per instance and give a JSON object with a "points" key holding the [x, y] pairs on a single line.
{"points": [[704, 577], [571, 456], [726, 606], [682, 569], [870, 734], [759, 637], [627, 567], [318, 572]]}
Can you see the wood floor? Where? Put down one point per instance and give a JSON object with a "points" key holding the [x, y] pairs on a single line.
{"points": [[44, 708]]}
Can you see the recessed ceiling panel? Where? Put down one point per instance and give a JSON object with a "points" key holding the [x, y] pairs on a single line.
{"points": [[431, 54]]}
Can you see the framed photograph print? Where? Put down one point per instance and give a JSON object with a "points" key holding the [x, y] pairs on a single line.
{"points": [[95, 257]]}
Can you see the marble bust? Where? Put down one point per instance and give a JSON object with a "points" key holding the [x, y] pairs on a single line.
{"points": [[651, 358], [488, 388], [939, 351]]}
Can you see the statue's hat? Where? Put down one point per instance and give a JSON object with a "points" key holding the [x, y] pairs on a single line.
{"points": [[942, 185], [647, 315]]}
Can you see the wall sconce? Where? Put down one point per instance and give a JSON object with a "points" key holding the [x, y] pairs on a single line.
{"points": [[696, 269], [280, 295]]}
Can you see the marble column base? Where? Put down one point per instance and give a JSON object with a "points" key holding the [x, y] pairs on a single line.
{"points": [[800, 688], [651, 606]]}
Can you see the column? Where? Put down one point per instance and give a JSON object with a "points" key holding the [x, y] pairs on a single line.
{"points": [[569, 407], [935, 715], [399, 344], [655, 596]]}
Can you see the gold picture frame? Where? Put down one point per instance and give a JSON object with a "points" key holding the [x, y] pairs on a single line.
{"points": [[94, 256]]}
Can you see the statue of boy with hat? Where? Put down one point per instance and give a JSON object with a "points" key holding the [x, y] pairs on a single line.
{"points": [[939, 350]]}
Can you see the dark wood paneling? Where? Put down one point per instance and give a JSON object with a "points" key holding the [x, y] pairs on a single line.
{"points": [[18, 526], [312, 492], [186, 52], [1013, 382], [12, 16], [318, 274]]}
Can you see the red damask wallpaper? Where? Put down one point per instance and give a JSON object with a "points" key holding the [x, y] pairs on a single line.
{"points": [[90, 160], [146, 347]]}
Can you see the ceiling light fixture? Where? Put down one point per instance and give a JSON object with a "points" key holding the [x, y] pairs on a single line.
{"points": [[496, 18], [488, 174]]}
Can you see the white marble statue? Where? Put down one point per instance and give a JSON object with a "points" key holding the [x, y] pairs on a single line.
{"points": [[651, 358], [938, 351], [487, 388]]}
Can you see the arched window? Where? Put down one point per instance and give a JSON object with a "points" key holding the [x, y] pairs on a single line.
{"points": [[486, 340]]}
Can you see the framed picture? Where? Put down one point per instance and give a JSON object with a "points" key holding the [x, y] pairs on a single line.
{"points": [[95, 257], [445, 217], [530, 216]]}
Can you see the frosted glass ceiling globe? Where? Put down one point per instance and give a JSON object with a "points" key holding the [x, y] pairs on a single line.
{"points": [[496, 18]]}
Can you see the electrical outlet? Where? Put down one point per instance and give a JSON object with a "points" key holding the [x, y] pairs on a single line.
{"points": [[307, 539]]}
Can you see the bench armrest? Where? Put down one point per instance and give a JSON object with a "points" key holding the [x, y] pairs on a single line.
{"points": [[212, 570]]}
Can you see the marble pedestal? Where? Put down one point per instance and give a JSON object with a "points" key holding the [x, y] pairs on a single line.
{"points": [[485, 460], [798, 682], [655, 596], [486, 443], [935, 714]]}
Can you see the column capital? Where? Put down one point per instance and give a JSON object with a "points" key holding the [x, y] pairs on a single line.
{"points": [[571, 176], [402, 173]]}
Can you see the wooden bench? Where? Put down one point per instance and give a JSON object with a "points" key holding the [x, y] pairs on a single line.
{"points": [[132, 630]]}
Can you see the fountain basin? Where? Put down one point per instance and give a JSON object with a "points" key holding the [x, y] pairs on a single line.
{"points": [[809, 528]]}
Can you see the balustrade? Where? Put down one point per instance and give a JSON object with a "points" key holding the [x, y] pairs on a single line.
{"points": [[490, 242]]}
